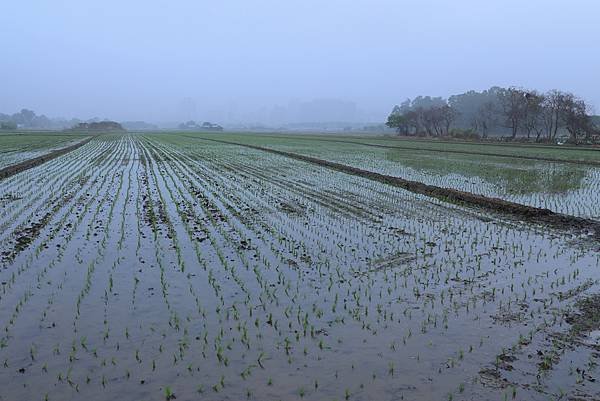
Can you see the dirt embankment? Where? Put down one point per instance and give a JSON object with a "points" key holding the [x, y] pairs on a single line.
{"points": [[36, 161], [529, 213]]}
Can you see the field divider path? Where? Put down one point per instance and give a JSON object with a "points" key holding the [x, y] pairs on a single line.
{"points": [[14, 169], [528, 213], [460, 152]]}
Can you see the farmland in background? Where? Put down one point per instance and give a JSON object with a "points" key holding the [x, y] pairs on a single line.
{"points": [[568, 184], [155, 266], [16, 147]]}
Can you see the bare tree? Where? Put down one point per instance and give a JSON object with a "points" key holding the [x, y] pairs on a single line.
{"points": [[551, 113], [514, 105], [426, 120], [539, 116], [436, 120], [575, 114], [448, 115], [414, 121], [533, 112], [486, 118]]}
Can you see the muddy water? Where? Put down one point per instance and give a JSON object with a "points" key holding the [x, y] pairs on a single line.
{"points": [[224, 273]]}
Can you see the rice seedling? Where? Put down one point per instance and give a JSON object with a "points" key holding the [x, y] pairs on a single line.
{"points": [[263, 276]]}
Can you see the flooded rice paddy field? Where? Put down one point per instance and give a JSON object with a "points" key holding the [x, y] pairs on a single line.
{"points": [[161, 266], [570, 188], [16, 147]]}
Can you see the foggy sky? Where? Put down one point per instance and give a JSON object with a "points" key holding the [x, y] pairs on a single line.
{"points": [[242, 59]]}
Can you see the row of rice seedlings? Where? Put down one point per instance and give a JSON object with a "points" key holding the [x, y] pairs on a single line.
{"points": [[580, 201], [61, 215], [26, 186], [60, 254], [305, 289]]}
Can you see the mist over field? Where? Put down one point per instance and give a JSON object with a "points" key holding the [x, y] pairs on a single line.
{"points": [[273, 62]]}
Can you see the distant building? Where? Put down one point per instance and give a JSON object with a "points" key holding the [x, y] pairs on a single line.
{"points": [[206, 126]]}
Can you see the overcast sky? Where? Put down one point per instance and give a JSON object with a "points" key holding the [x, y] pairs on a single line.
{"points": [[138, 60]]}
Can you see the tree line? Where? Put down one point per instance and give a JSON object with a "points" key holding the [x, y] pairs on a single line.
{"points": [[24, 118], [28, 119], [512, 112]]}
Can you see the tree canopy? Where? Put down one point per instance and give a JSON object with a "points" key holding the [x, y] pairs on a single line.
{"points": [[512, 112]]}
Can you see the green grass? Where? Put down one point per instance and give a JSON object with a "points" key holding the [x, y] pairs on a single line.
{"points": [[507, 149], [33, 141], [516, 176]]}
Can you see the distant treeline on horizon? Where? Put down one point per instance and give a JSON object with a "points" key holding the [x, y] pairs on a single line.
{"points": [[28, 119], [513, 112]]}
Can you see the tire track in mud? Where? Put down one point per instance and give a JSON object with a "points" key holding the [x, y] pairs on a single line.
{"points": [[461, 152], [528, 213], [9, 171]]}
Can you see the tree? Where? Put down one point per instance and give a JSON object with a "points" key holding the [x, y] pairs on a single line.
{"points": [[498, 110], [575, 114], [551, 117], [423, 114], [477, 110], [429, 118], [398, 121], [8, 125], [532, 115], [413, 119], [448, 116], [467, 106], [24, 117], [486, 118], [438, 119], [99, 126], [514, 105]]}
